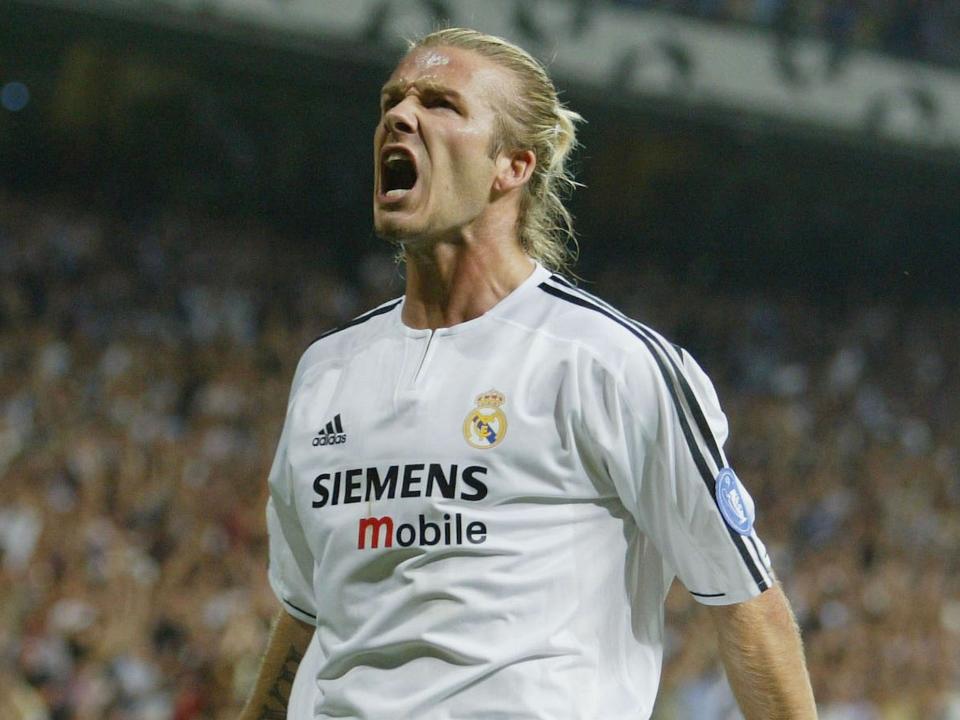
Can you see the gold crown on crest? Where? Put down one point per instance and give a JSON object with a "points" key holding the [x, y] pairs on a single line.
{"points": [[491, 399]]}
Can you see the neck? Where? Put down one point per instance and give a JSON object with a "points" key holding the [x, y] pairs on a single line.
{"points": [[452, 282]]}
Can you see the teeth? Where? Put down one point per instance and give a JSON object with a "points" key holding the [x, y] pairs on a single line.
{"points": [[395, 156], [395, 193]]}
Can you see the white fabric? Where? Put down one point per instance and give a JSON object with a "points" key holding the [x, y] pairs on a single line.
{"points": [[573, 524]]}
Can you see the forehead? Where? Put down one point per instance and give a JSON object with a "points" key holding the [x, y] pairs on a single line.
{"points": [[464, 71]]}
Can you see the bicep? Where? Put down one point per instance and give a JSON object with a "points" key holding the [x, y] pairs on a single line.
{"points": [[290, 570], [665, 433]]}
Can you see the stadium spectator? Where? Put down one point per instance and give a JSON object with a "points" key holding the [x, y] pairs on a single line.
{"points": [[143, 373]]}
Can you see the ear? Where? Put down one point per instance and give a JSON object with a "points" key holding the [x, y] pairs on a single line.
{"points": [[514, 169]]}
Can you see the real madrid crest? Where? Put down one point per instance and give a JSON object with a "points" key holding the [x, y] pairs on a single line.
{"points": [[486, 425]]}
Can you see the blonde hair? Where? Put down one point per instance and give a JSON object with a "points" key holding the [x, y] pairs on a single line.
{"points": [[533, 119]]}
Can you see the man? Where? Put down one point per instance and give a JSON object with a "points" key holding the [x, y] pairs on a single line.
{"points": [[483, 490]]}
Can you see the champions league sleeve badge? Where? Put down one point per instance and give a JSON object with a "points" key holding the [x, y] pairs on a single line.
{"points": [[734, 502], [486, 425]]}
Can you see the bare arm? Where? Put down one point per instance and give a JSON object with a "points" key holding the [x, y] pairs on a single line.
{"points": [[285, 649], [763, 655]]}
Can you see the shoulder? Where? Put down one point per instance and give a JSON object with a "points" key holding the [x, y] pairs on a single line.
{"points": [[341, 342], [640, 366], [572, 315]]}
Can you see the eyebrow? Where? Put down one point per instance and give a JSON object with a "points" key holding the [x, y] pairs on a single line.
{"points": [[434, 87]]}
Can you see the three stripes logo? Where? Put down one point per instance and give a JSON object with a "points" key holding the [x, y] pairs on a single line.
{"points": [[332, 434]]}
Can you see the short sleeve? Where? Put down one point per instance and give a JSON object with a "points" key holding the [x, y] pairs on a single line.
{"points": [[291, 562], [659, 432]]}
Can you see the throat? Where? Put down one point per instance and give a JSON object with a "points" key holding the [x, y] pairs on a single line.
{"points": [[446, 291]]}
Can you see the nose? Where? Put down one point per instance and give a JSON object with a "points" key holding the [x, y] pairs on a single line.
{"points": [[400, 119]]}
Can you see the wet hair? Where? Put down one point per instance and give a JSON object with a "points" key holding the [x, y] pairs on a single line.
{"points": [[533, 118]]}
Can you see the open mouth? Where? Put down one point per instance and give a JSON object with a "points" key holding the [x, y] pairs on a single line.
{"points": [[398, 173]]}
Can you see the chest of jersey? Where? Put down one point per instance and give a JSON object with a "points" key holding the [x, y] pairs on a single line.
{"points": [[432, 438]]}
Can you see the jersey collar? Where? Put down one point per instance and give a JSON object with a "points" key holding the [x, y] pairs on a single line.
{"points": [[503, 309]]}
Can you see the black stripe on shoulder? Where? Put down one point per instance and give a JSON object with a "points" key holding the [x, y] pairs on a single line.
{"points": [[360, 320], [300, 609], [698, 415], [698, 458]]}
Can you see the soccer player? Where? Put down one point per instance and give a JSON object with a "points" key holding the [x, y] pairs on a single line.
{"points": [[484, 489]]}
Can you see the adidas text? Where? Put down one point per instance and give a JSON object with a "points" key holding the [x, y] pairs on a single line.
{"points": [[332, 433]]}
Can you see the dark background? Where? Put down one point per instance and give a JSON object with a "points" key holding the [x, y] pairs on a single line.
{"points": [[185, 205], [136, 117]]}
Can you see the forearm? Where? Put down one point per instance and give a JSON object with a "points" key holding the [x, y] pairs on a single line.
{"points": [[288, 643], [763, 655]]}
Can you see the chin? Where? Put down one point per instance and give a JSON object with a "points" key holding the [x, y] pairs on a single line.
{"points": [[388, 229], [397, 225], [397, 233]]}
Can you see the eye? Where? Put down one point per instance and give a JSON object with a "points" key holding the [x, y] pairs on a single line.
{"points": [[438, 101]]}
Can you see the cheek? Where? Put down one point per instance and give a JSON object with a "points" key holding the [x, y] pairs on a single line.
{"points": [[471, 162]]}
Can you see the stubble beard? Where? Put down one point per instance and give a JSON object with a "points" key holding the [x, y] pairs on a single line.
{"points": [[408, 238], [396, 234], [405, 243]]}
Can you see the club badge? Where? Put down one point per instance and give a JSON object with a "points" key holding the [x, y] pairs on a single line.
{"points": [[486, 425]]}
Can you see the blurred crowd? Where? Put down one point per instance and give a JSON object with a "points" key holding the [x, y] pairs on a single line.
{"points": [[144, 369], [925, 30]]}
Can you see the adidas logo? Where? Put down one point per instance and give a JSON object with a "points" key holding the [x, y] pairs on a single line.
{"points": [[332, 434]]}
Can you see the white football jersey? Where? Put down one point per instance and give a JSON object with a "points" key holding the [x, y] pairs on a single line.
{"points": [[483, 521]]}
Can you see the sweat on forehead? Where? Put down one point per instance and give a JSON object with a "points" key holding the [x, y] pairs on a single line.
{"points": [[449, 69], [432, 58], [443, 59]]}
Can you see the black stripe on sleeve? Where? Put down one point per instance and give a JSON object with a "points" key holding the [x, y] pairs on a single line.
{"points": [[697, 456], [698, 415], [300, 609], [712, 445], [692, 402], [361, 319], [706, 594]]}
